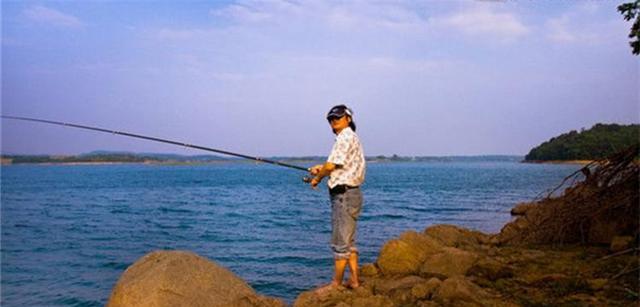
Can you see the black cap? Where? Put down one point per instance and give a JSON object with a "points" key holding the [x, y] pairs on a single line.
{"points": [[339, 111]]}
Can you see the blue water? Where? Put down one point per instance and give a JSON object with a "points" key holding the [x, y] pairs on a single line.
{"points": [[68, 232]]}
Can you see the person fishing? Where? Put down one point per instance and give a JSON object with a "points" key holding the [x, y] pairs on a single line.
{"points": [[346, 169]]}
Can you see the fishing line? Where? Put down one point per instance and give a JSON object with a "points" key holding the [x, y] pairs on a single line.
{"points": [[155, 139]]}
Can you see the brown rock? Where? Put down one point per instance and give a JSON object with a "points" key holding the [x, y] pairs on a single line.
{"points": [[490, 269], [373, 301], [404, 255], [401, 297], [621, 243], [387, 286], [458, 290], [332, 298], [342, 297], [449, 262], [512, 232], [453, 236], [362, 291], [180, 278], [532, 255], [426, 289], [369, 270], [521, 208]]}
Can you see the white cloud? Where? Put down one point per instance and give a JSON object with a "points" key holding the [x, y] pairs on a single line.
{"points": [[384, 16], [577, 25], [50, 16], [484, 20], [335, 15], [251, 11], [240, 12], [559, 31]]}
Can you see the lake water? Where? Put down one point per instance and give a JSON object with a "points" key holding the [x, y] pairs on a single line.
{"points": [[68, 232]]}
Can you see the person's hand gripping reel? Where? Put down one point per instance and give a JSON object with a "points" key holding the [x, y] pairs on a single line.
{"points": [[313, 179]]}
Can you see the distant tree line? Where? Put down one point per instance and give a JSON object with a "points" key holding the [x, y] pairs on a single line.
{"points": [[97, 158], [106, 157], [601, 141]]}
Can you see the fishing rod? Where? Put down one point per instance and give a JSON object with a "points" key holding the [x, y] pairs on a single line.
{"points": [[224, 152]]}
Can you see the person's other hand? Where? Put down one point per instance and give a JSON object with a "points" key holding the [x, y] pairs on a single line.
{"points": [[314, 182], [314, 170]]}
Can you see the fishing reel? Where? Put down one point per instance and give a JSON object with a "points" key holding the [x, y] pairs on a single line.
{"points": [[307, 179]]}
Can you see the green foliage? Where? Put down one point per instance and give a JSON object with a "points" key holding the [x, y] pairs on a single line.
{"points": [[630, 11], [601, 141]]}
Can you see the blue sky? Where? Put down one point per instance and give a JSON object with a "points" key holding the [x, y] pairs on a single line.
{"points": [[257, 77]]}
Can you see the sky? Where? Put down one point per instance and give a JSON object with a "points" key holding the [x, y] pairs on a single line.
{"points": [[258, 77]]}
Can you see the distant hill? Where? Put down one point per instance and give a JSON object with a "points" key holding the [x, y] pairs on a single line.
{"points": [[600, 141]]}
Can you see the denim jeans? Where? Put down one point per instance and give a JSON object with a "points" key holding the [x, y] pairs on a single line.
{"points": [[345, 209]]}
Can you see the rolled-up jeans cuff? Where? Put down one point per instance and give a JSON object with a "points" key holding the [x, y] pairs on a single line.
{"points": [[340, 253]]}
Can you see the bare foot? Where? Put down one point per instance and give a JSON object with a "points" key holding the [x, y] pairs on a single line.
{"points": [[328, 288], [351, 284]]}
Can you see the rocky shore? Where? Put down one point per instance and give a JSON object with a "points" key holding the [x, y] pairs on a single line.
{"points": [[579, 249], [443, 265]]}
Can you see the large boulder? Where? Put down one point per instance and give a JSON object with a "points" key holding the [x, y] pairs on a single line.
{"points": [[454, 236], [181, 278], [404, 256], [449, 262]]}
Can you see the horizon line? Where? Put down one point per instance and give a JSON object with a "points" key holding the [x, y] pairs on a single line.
{"points": [[279, 156]]}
